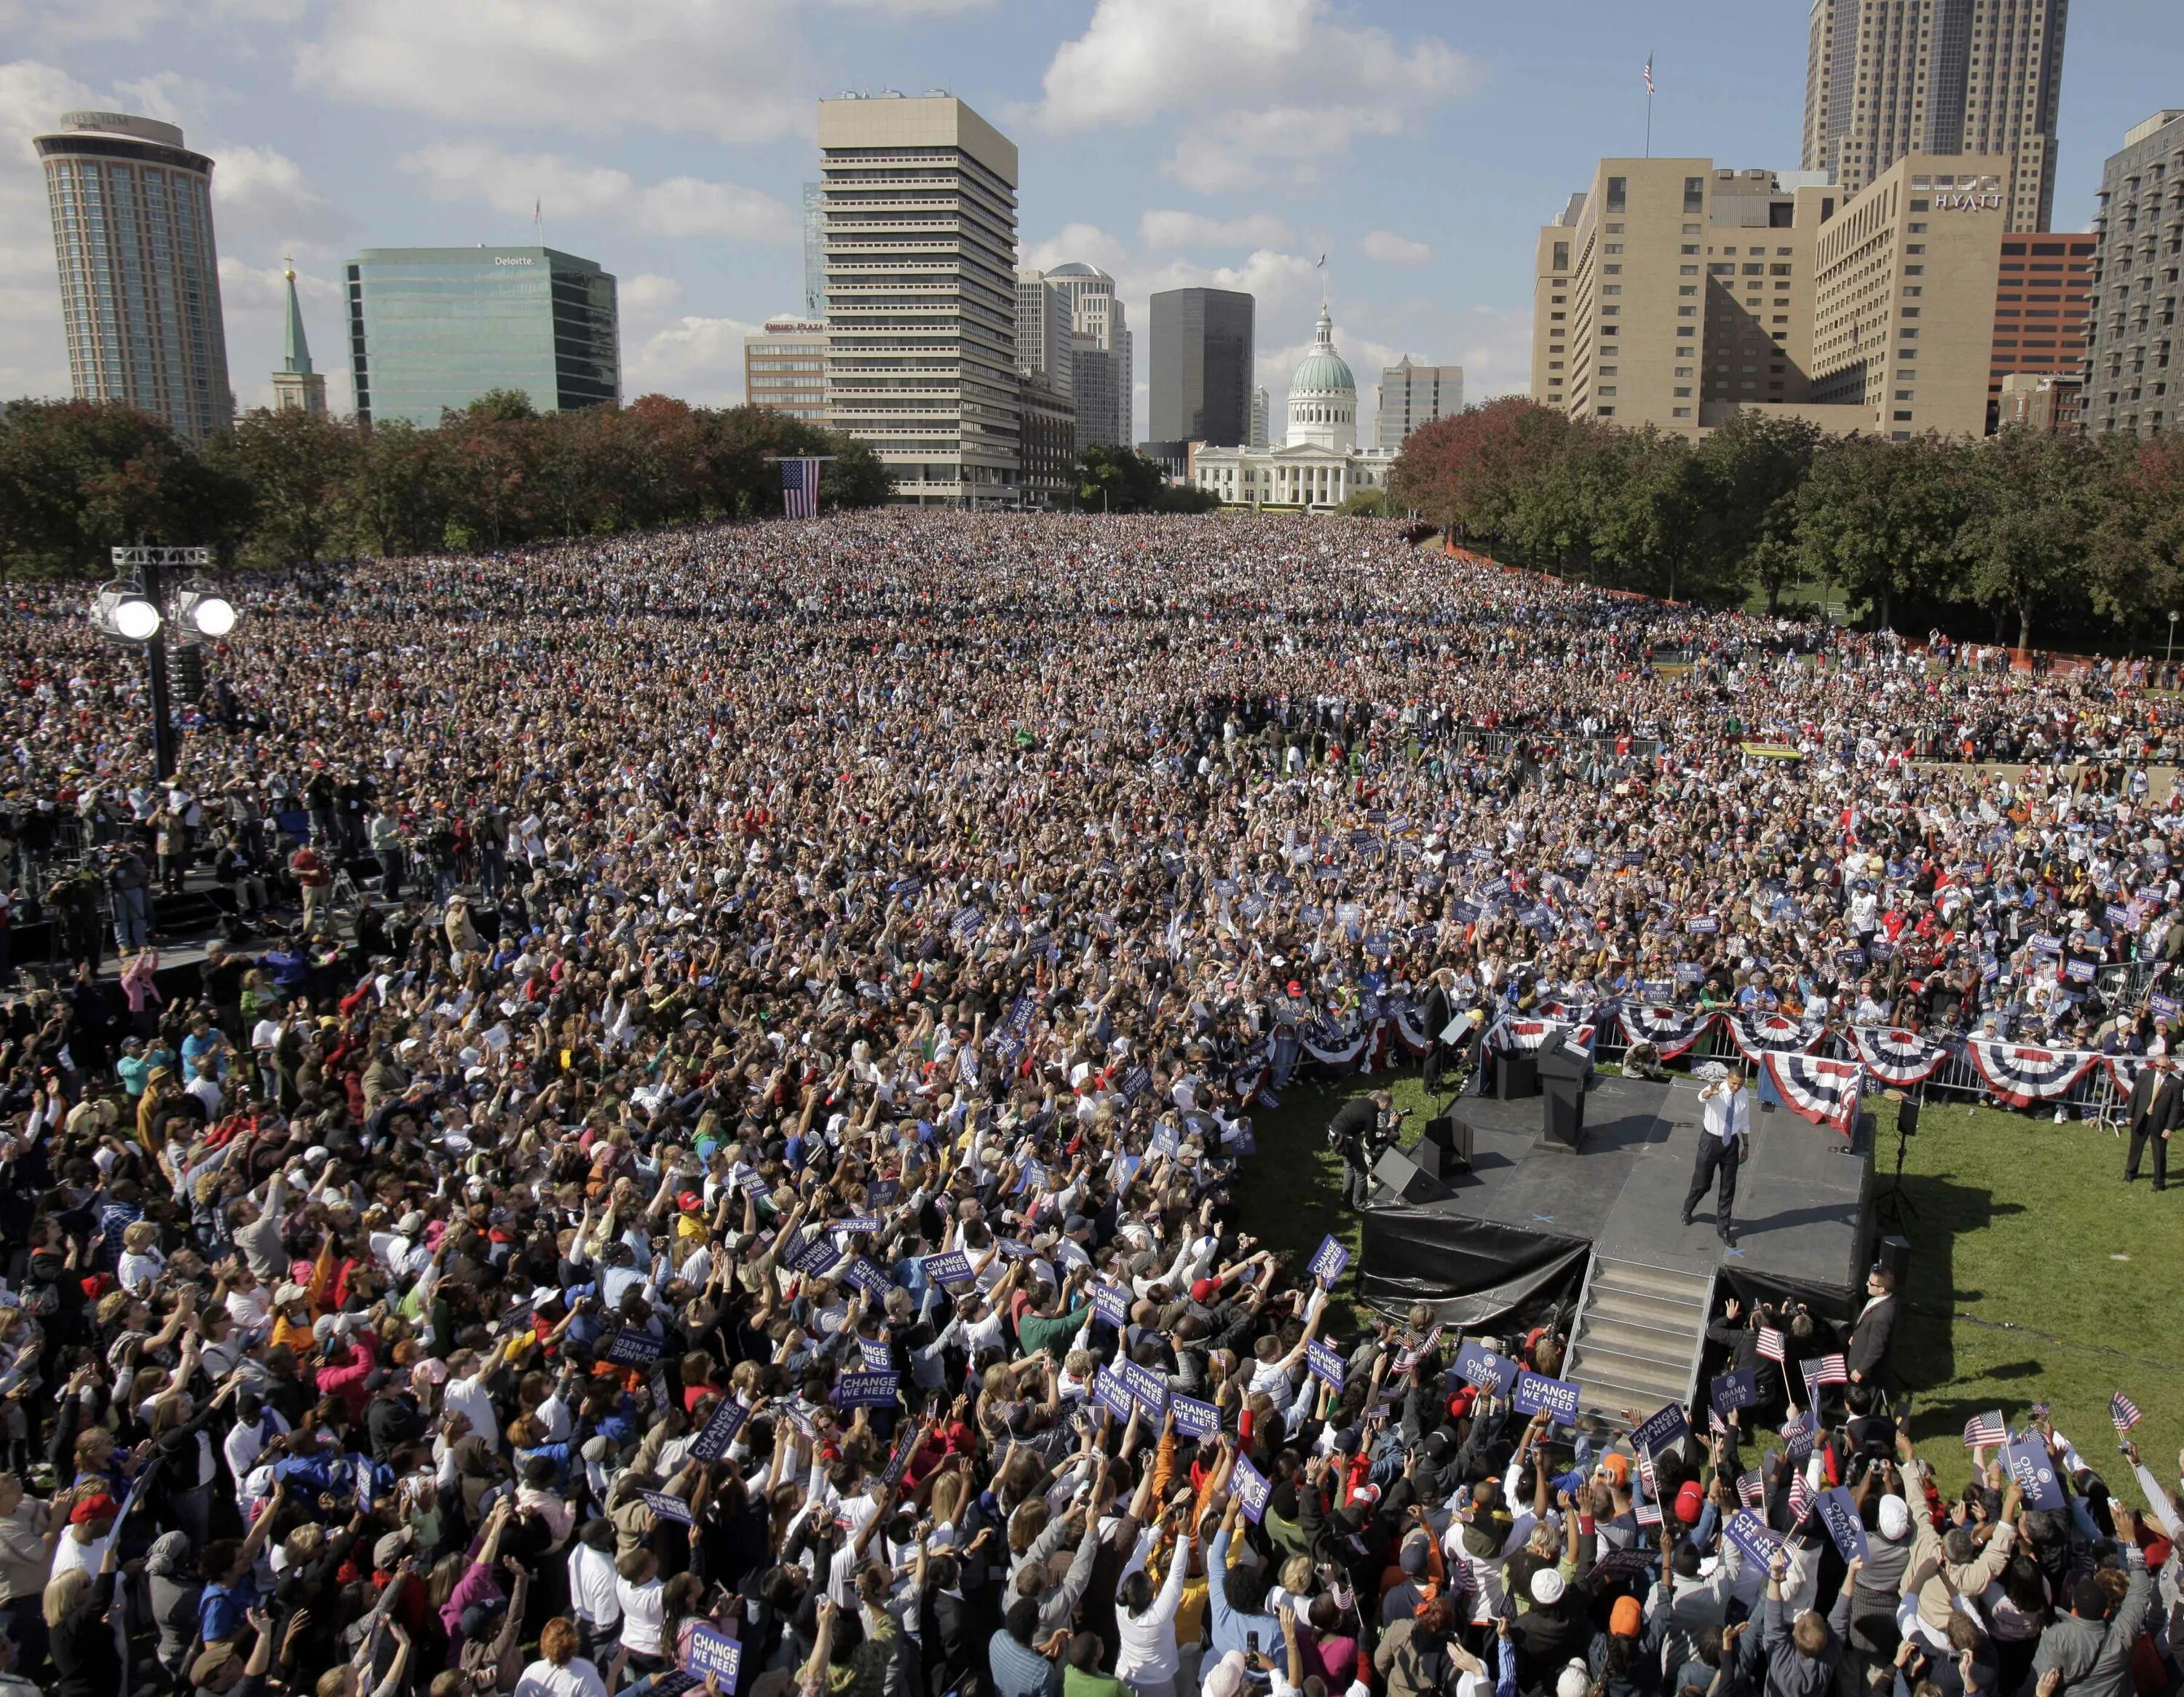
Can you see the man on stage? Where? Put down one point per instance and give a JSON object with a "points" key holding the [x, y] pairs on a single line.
{"points": [[2153, 1113], [1725, 1139]]}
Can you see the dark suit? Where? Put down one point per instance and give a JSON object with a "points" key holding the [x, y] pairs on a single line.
{"points": [[1439, 1011], [2156, 1100], [1867, 1353], [950, 1650]]}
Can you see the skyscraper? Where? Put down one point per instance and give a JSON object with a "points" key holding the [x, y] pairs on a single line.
{"points": [[785, 368], [1259, 409], [297, 388], [432, 329], [1101, 378], [1201, 367], [1413, 395], [1885, 78], [921, 208], [2131, 320], [815, 250], [1046, 333], [140, 276]]}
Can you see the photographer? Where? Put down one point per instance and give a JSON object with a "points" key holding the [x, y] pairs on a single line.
{"points": [[1359, 1132]]}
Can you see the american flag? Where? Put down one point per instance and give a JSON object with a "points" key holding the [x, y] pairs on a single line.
{"points": [[1751, 1488], [799, 487], [2123, 1411], [1801, 1495], [1647, 1514], [1772, 1344], [1984, 1431], [1826, 1370], [1714, 1422], [1645, 1475], [1649, 72]]}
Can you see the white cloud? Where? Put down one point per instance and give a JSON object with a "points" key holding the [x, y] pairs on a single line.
{"points": [[1138, 58], [699, 360], [1391, 249], [732, 68], [33, 347], [1084, 243], [254, 302], [916, 9], [79, 20], [1244, 149], [513, 184], [1164, 228]]}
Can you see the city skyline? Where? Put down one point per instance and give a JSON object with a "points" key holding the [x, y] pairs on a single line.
{"points": [[1172, 151]]}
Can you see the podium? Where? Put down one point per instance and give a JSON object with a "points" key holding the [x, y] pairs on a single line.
{"points": [[1563, 1070]]}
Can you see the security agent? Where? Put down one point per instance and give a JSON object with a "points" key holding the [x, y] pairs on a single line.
{"points": [[1361, 1131]]}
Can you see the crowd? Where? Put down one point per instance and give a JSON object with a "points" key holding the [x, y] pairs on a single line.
{"points": [[706, 1157]]}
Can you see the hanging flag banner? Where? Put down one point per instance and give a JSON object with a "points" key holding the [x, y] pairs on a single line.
{"points": [[1825, 1092], [1898, 1059], [1760, 1034], [1671, 1032], [2021, 1075]]}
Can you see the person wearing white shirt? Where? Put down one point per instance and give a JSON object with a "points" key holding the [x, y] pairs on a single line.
{"points": [[1724, 1138]]}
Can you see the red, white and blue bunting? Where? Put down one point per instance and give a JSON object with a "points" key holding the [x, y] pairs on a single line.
{"points": [[2021, 1075], [1896, 1057], [1766, 1034], [1521, 1037], [2123, 1071], [1673, 1032], [1824, 1092]]}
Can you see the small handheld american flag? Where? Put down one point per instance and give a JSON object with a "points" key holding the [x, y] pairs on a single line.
{"points": [[1826, 1370], [1772, 1344], [1800, 1494], [1647, 1514], [1751, 1488], [1985, 1431], [2123, 1411], [799, 487]]}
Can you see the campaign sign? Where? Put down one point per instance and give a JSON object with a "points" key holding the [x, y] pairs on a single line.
{"points": [[816, 1257], [1111, 1393], [1839, 1513], [1656, 1432], [664, 1507], [899, 1463], [713, 1437], [1752, 1536], [878, 1356], [867, 1389], [1324, 1362], [711, 1651], [633, 1349], [1483, 1368], [1167, 1139], [1251, 1489], [949, 1266], [1633, 1564], [1327, 1261], [856, 1223], [1196, 1419], [1730, 1391], [1537, 1393], [1145, 1387], [2034, 1470], [1112, 1303], [866, 1277]]}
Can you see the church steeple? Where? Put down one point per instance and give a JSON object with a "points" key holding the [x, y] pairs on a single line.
{"points": [[295, 351], [296, 387]]}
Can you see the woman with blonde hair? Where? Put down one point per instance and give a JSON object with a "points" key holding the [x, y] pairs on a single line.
{"points": [[79, 1636]]}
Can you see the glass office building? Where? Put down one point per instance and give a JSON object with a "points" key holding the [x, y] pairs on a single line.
{"points": [[432, 329], [140, 277]]}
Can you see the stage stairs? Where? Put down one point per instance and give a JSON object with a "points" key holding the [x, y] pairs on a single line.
{"points": [[1636, 1341]]}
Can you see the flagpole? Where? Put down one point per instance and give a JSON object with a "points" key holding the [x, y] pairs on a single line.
{"points": [[1649, 104]]}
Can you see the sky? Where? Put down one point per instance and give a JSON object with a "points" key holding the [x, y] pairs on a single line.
{"points": [[1418, 147]]}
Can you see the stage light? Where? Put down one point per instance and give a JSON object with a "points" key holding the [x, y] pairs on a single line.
{"points": [[210, 614], [124, 610]]}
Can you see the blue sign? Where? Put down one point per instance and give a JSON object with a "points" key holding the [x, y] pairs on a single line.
{"points": [[1483, 1368], [1144, 1387], [1658, 1431], [867, 1389], [1839, 1514], [1327, 1261], [712, 1651], [664, 1507], [1325, 1363], [634, 1349], [949, 1266], [713, 1437], [1752, 1536], [2034, 1470], [814, 1257], [1537, 1393], [866, 1277], [1194, 1418], [1111, 1393], [1734, 1390], [1112, 1303], [1251, 1490]]}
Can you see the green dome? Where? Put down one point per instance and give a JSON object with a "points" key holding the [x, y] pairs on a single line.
{"points": [[1324, 371]]}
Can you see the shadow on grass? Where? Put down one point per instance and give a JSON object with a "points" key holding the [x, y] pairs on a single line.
{"points": [[1923, 1352]]}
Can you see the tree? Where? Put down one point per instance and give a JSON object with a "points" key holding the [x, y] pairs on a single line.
{"points": [[1750, 471], [396, 502], [78, 477], [2037, 503], [1882, 519], [297, 467], [1114, 479], [2137, 561], [1466, 471]]}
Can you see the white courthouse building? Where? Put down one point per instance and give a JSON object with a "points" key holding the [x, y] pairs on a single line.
{"points": [[1317, 463]]}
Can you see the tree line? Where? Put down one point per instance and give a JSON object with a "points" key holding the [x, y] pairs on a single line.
{"points": [[2069, 537], [78, 478]]}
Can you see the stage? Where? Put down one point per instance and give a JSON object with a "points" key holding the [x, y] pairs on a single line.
{"points": [[1520, 1228]]}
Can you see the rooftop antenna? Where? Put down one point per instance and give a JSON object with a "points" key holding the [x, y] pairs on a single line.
{"points": [[539, 219]]}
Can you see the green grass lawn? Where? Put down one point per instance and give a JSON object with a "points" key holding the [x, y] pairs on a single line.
{"points": [[2036, 1274]]}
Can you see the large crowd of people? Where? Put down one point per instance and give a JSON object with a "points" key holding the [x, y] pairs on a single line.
{"points": [[705, 1156]]}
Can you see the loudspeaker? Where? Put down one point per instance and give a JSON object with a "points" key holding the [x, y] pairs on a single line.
{"points": [[1894, 1254], [1516, 1075], [1907, 1118], [1397, 1171], [1451, 1138]]}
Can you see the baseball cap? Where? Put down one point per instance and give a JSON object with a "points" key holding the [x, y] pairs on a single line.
{"points": [[1690, 1501], [1626, 1619], [1895, 1518], [1204, 1290], [99, 1507], [1616, 1466], [391, 1548]]}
